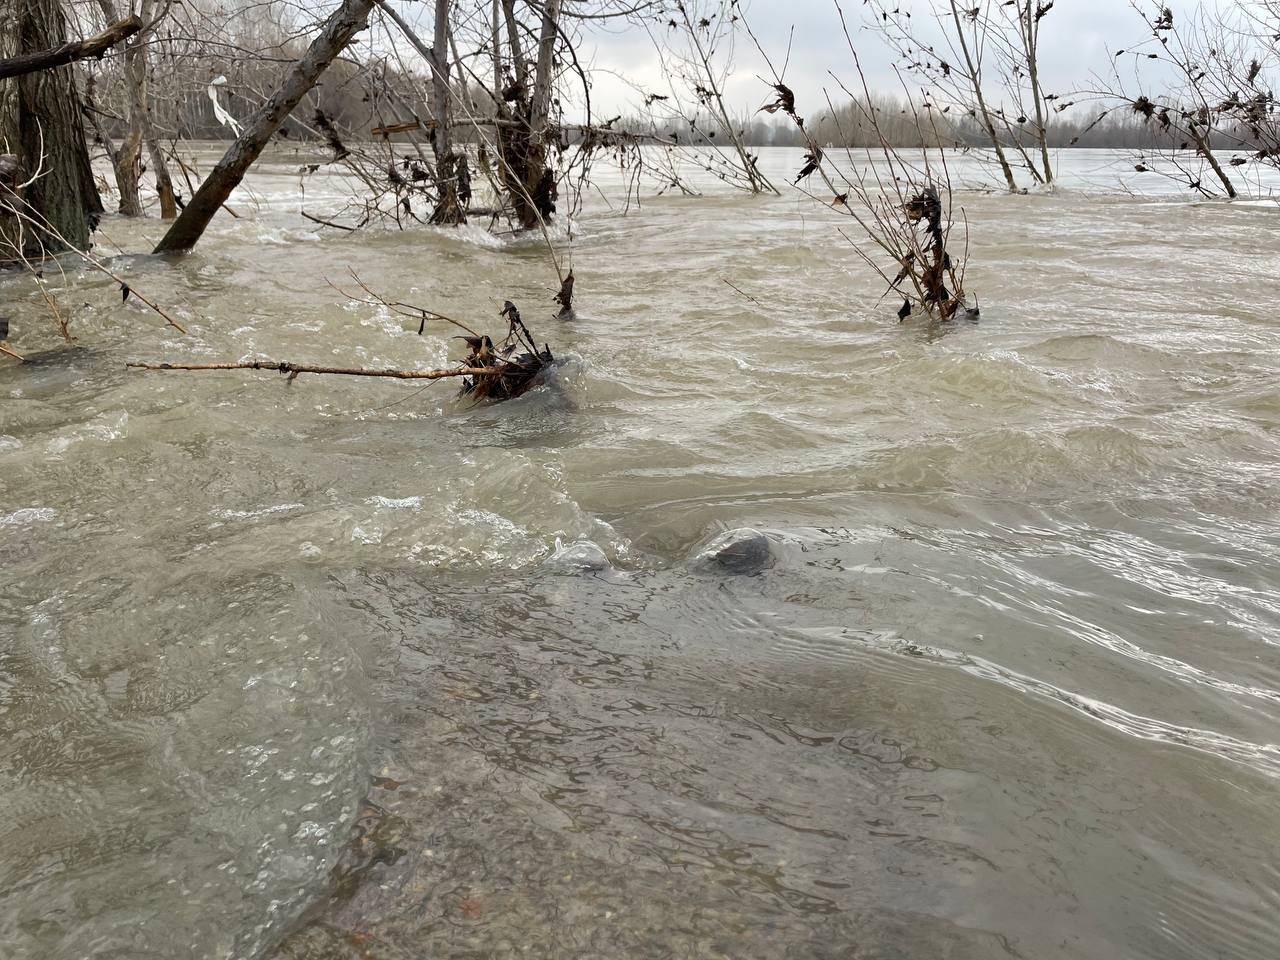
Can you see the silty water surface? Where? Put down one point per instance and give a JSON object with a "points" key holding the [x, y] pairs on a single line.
{"points": [[1010, 687]]}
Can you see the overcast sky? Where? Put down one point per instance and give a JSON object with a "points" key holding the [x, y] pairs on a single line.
{"points": [[1075, 37]]}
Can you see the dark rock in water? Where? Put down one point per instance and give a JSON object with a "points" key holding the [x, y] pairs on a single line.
{"points": [[580, 557], [741, 551]]}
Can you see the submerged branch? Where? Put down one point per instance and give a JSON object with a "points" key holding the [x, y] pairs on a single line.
{"points": [[293, 369]]}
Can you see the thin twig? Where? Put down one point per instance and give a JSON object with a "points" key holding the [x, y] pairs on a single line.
{"points": [[747, 295], [396, 306]]}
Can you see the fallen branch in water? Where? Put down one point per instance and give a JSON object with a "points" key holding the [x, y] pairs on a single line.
{"points": [[747, 295], [502, 371], [490, 371], [293, 369], [327, 223]]}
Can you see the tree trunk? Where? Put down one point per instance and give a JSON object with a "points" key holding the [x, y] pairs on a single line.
{"points": [[449, 208], [451, 169], [42, 128], [127, 159], [975, 80], [164, 183], [1031, 47], [513, 40], [128, 167], [139, 65], [531, 184], [1205, 149], [334, 36]]}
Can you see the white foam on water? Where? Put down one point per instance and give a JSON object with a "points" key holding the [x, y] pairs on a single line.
{"points": [[255, 514], [28, 515]]}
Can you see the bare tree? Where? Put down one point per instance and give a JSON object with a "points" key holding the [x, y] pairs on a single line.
{"points": [[1188, 108], [452, 175], [337, 31], [697, 50], [901, 206], [126, 159], [988, 71], [1226, 65]]}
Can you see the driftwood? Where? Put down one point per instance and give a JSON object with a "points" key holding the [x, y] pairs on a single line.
{"points": [[512, 373], [489, 372], [508, 369], [74, 50], [337, 32], [397, 128], [293, 369], [327, 223]]}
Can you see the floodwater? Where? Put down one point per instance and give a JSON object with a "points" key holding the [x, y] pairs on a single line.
{"points": [[287, 670]]}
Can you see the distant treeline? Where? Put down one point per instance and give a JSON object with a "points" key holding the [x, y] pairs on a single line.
{"points": [[254, 52], [190, 115], [1100, 127]]}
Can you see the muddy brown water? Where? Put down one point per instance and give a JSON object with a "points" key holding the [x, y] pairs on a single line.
{"points": [[285, 672]]}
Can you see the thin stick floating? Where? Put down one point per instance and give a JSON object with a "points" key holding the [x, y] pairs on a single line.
{"points": [[293, 369]]}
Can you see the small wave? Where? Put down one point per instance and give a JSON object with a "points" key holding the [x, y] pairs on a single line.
{"points": [[28, 515], [1263, 757], [105, 427], [223, 514], [407, 503]]}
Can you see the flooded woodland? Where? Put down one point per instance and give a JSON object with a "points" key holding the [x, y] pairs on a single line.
{"points": [[520, 531]]}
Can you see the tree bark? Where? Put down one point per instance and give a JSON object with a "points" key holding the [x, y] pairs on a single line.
{"points": [[523, 148], [42, 128], [513, 40], [1031, 47], [127, 158], [450, 206], [540, 106], [336, 33], [95, 46]]}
